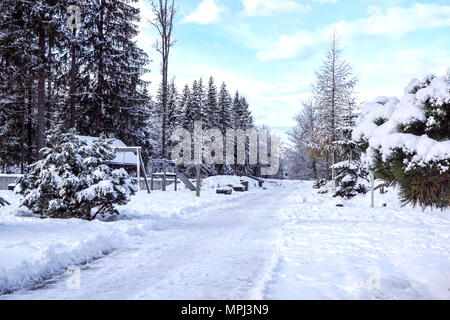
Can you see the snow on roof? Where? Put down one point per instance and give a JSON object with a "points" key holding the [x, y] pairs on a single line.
{"points": [[122, 158]]}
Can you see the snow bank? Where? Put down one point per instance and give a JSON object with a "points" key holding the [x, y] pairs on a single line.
{"points": [[356, 252], [34, 249], [226, 181]]}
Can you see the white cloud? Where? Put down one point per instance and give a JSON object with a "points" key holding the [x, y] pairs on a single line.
{"points": [[397, 21], [268, 7], [208, 11], [403, 65], [394, 23], [325, 1], [289, 46]]}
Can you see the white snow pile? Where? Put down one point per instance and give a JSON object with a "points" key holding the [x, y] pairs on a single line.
{"points": [[386, 137], [356, 252], [219, 182], [33, 249]]}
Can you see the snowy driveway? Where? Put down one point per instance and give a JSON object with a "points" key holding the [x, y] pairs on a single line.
{"points": [[282, 243], [223, 254]]}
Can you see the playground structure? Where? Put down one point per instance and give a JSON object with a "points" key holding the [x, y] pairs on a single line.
{"points": [[3, 202], [166, 171]]}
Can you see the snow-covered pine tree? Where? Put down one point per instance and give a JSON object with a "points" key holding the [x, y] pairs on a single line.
{"points": [[351, 174], [193, 111], [246, 118], [154, 127], [74, 179], [226, 121], [201, 100], [332, 90], [114, 99], [236, 110], [13, 85], [184, 102], [407, 141], [29, 38], [212, 105], [174, 114], [225, 108]]}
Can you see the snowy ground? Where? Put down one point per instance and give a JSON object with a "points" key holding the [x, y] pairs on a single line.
{"points": [[286, 242]]}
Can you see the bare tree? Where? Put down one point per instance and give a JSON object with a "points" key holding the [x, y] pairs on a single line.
{"points": [[163, 22], [332, 92]]}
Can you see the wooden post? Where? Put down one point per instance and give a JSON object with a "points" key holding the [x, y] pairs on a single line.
{"points": [[176, 178], [164, 176], [332, 173], [138, 169], [197, 189], [372, 191], [144, 171], [151, 179]]}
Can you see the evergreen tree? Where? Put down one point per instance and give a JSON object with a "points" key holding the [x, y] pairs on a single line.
{"points": [[37, 52], [352, 176], [212, 105], [414, 152], [201, 101], [193, 111], [174, 113], [246, 119], [236, 110], [185, 100], [114, 99], [73, 179], [226, 119]]}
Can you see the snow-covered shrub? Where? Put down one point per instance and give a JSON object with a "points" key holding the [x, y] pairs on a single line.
{"points": [[407, 141], [319, 183], [351, 175], [73, 179]]}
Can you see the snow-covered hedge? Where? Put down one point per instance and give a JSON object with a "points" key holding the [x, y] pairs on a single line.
{"points": [[74, 178], [407, 141]]}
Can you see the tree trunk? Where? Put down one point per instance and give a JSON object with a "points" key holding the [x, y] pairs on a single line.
{"points": [[48, 111], [72, 85], [41, 94], [100, 79], [314, 168], [30, 126]]}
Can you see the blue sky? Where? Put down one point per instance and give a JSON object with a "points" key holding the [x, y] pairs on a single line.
{"points": [[269, 50]]}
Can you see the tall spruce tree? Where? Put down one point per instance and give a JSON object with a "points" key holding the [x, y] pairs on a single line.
{"points": [[351, 175], [114, 100], [212, 104], [225, 107]]}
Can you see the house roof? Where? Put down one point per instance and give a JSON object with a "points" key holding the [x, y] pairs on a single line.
{"points": [[122, 158]]}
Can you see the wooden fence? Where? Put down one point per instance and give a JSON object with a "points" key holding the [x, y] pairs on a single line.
{"points": [[10, 179]]}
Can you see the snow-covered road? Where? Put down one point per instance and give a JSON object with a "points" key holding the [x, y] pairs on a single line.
{"points": [[223, 254], [287, 242]]}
